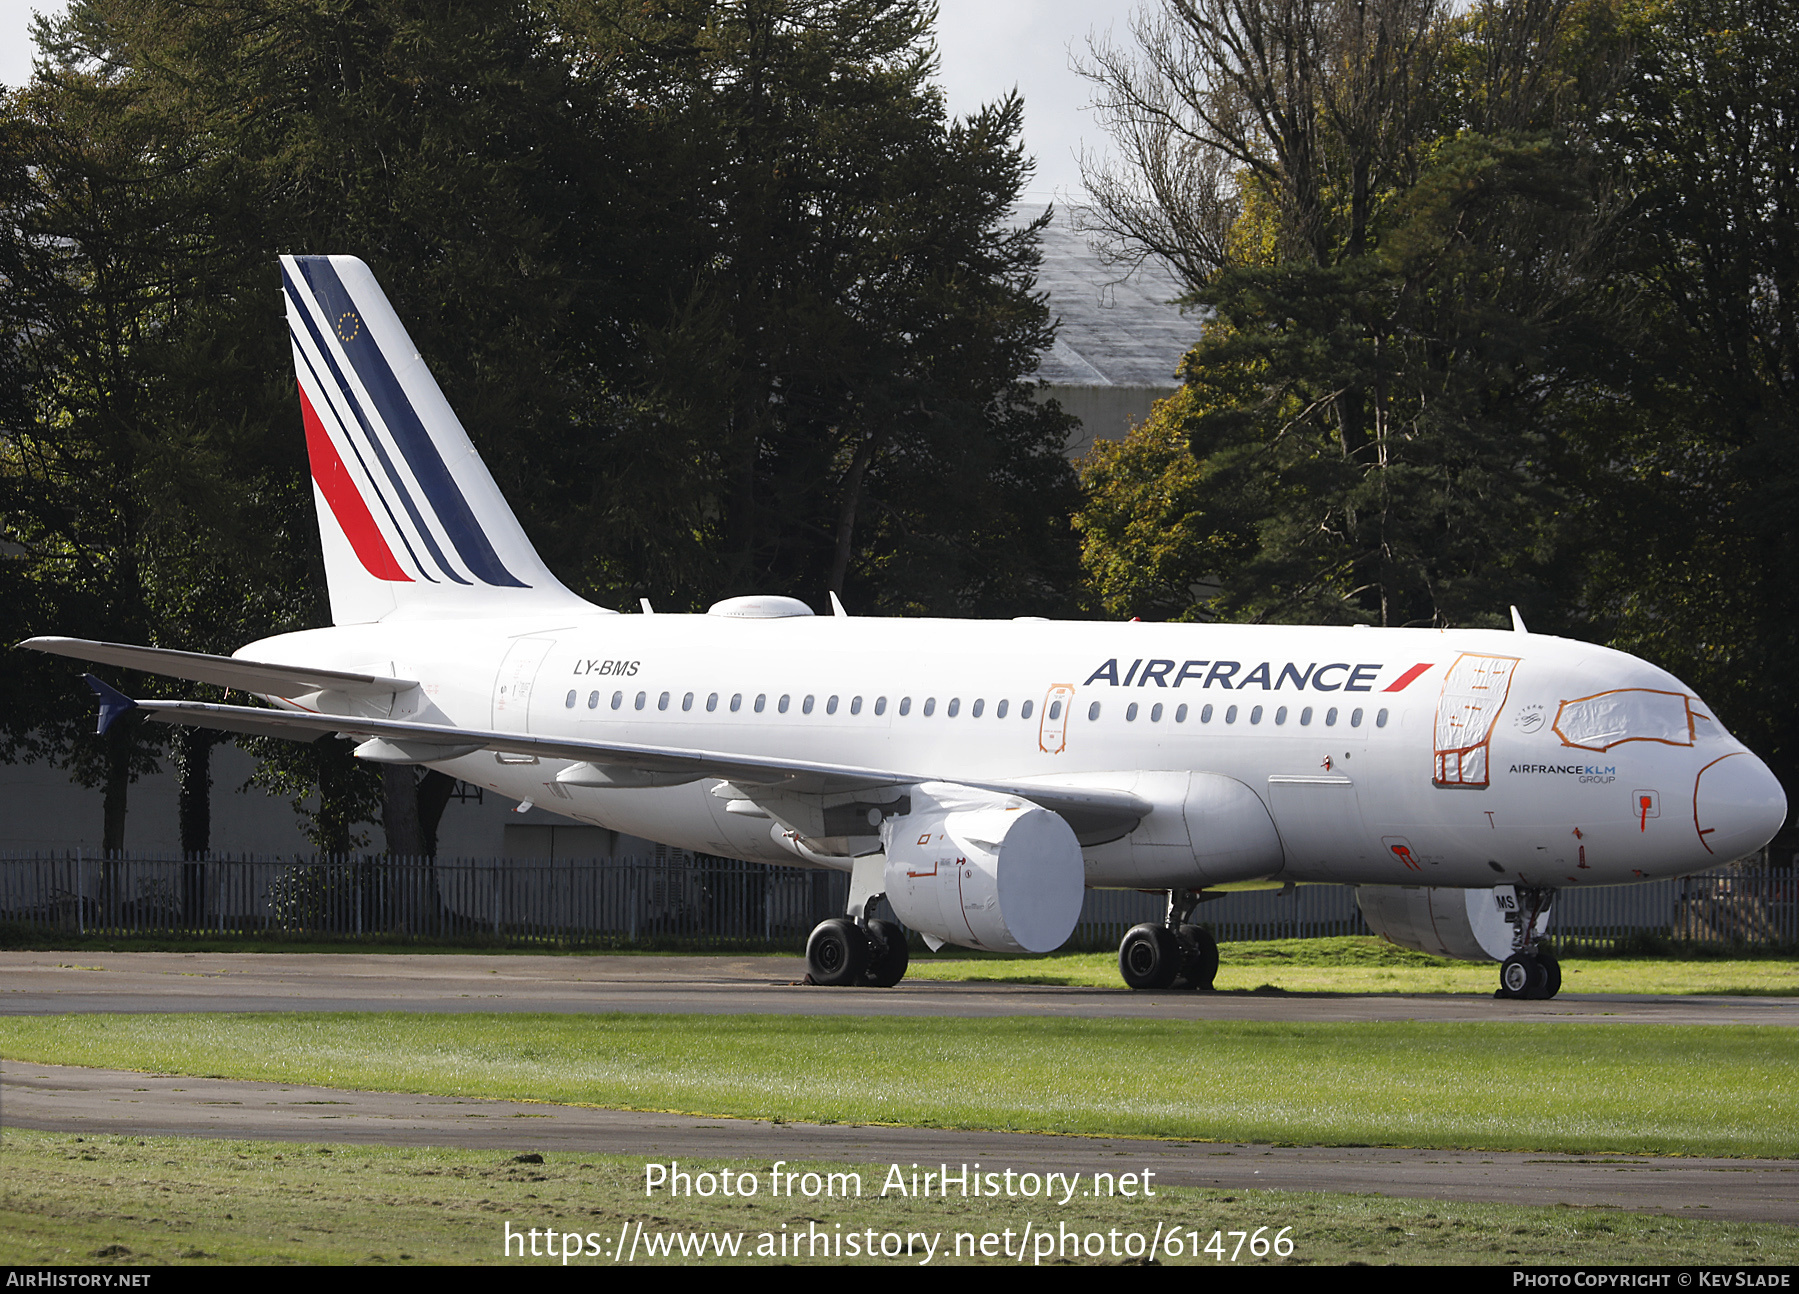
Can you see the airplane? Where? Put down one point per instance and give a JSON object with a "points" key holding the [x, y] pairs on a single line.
{"points": [[980, 775]]}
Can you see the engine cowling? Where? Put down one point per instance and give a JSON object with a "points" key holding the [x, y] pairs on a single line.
{"points": [[982, 870], [1474, 925]]}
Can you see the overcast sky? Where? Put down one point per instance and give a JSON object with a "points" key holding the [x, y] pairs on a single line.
{"points": [[987, 48]]}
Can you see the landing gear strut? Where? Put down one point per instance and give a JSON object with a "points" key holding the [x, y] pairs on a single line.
{"points": [[1173, 953], [857, 951], [1531, 972]]}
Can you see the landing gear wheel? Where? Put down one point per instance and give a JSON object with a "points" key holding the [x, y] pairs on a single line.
{"points": [[837, 952], [1149, 957], [888, 957], [1522, 975], [1199, 959], [1552, 971]]}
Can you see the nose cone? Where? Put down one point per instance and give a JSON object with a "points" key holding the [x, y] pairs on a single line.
{"points": [[1737, 806]]}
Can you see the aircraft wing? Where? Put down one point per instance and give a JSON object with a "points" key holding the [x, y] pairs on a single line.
{"points": [[1087, 808], [222, 671]]}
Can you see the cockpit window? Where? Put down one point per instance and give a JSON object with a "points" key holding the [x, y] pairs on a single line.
{"points": [[1609, 719]]}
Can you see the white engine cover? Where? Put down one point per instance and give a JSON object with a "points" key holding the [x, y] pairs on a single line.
{"points": [[982, 870], [1469, 924]]}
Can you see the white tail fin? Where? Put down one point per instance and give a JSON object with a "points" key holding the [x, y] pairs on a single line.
{"points": [[409, 516]]}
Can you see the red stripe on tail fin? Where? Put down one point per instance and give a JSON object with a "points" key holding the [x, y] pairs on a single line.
{"points": [[353, 515]]}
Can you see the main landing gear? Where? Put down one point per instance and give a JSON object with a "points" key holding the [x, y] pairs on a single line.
{"points": [[846, 951], [1173, 953], [1531, 972]]}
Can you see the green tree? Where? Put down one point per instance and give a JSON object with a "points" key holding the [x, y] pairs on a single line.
{"points": [[1698, 469], [1390, 220], [849, 311], [101, 471]]}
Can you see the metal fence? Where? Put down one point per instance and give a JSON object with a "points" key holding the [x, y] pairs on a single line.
{"points": [[697, 900]]}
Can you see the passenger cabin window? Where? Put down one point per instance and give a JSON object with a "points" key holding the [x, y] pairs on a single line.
{"points": [[618, 699], [905, 705], [880, 705], [1024, 711], [831, 706], [1230, 715], [1055, 709], [955, 706], [806, 705], [1130, 713], [781, 705], [687, 702], [593, 700], [1355, 719], [1330, 717], [1180, 714], [570, 703], [930, 706], [1255, 714], [712, 702], [1155, 713], [1093, 712], [662, 701], [1305, 716], [761, 701], [1280, 715], [999, 711], [855, 705], [641, 698], [1380, 719], [736, 702]]}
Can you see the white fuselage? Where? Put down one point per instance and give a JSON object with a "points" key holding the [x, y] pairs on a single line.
{"points": [[1413, 757]]}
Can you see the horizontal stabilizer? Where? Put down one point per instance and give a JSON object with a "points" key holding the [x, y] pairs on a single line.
{"points": [[113, 703], [221, 671]]}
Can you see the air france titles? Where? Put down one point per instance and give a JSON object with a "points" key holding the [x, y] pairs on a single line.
{"points": [[1585, 772], [1231, 674]]}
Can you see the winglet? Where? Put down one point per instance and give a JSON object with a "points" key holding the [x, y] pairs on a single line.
{"points": [[1518, 622], [113, 703]]}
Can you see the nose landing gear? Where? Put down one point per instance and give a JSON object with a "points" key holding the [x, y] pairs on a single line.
{"points": [[1531, 972]]}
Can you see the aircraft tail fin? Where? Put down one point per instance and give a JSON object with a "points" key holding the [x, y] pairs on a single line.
{"points": [[409, 516]]}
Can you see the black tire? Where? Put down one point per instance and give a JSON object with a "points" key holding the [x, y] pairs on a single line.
{"points": [[1199, 959], [1149, 957], [888, 956], [1552, 972], [1522, 976], [837, 953]]}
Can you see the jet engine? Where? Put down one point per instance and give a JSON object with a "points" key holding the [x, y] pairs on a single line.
{"points": [[1474, 925], [983, 870]]}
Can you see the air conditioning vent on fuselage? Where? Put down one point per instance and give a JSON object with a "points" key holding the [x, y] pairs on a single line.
{"points": [[759, 606]]}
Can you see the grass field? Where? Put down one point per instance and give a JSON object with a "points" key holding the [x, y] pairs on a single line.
{"points": [[153, 1200], [1653, 1089], [1365, 965]]}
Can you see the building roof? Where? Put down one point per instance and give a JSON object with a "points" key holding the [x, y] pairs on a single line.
{"points": [[1115, 330]]}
